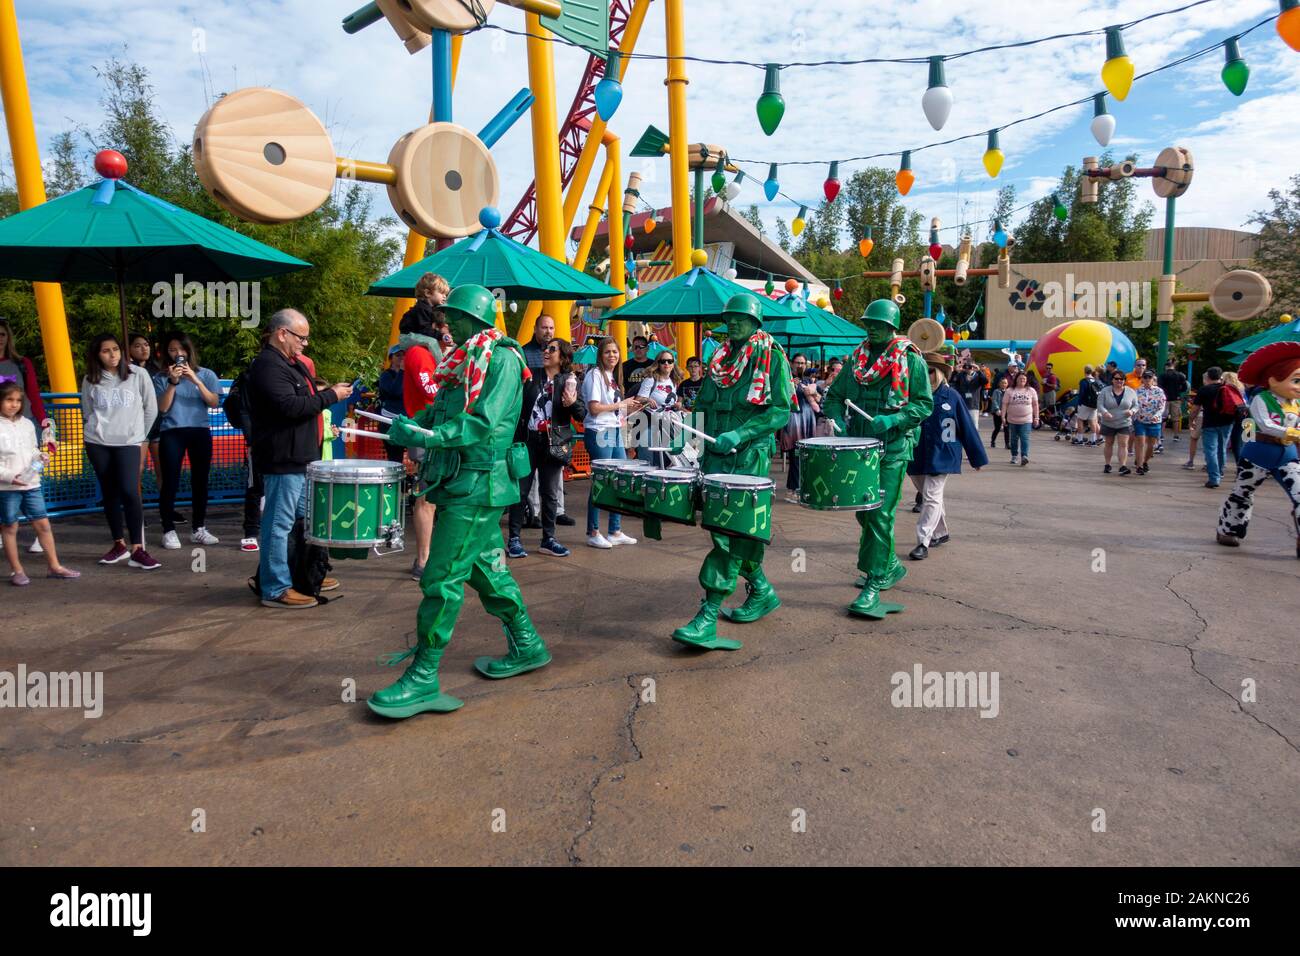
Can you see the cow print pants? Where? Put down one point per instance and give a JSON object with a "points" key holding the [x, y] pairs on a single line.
{"points": [[1235, 517]]}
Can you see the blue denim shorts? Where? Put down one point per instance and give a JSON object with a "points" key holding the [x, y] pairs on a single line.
{"points": [[29, 502], [1146, 429]]}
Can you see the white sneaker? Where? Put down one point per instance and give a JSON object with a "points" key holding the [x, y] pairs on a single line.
{"points": [[36, 548], [598, 540], [248, 544], [171, 542], [618, 537], [1015, 460], [203, 536]]}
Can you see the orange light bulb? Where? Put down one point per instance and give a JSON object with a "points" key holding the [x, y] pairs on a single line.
{"points": [[904, 179]]}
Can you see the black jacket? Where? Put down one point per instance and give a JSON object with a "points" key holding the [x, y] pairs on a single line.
{"points": [[560, 414], [285, 410]]}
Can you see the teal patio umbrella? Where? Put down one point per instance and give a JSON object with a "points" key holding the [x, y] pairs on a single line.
{"points": [[1283, 332], [699, 295], [489, 258], [113, 232]]}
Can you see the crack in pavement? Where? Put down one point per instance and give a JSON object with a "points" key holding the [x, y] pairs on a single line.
{"points": [[629, 732], [1191, 654]]}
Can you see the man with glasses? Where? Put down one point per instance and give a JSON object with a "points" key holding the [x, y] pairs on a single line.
{"points": [[285, 409], [638, 367]]}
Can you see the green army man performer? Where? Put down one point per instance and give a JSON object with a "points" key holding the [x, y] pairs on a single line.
{"points": [[886, 377], [745, 400], [473, 471]]}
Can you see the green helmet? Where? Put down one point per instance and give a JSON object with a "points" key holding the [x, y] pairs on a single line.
{"points": [[476, 302], [882, 310], [746, 304]]}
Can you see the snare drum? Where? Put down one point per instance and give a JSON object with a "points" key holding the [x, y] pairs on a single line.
{"points": [[354, 505], [670, 494], [738, 505], [630, 482], [604, 492], [839, 474]]}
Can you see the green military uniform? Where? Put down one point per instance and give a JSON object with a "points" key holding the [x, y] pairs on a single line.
{"points": [[471, 483], [752, 428], [899, 429]]}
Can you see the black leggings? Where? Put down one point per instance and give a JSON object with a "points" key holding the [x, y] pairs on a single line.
{"points": [[997, 427], [118, 469], [173, 444]]}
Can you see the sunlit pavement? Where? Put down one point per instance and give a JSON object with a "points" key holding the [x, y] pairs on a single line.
{"points": [[1119, 736]]}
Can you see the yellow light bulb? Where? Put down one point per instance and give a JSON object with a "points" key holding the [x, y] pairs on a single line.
{"points": [[797, 226], [993, 159], [1117, 74]]}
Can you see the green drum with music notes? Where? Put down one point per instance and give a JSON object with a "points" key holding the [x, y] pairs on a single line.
{"points": [[354, 505], [670, 494], [604, 489], [738, 505], [630, 481], [839, 474]]}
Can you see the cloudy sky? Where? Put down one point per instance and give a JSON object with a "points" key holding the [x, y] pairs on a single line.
{"points": [[369, 91]]}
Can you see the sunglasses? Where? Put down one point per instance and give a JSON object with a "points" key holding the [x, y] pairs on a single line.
{"points": [[551, 348], [665, 361]]}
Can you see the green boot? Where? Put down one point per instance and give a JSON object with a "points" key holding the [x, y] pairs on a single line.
{"points": [[525, 651], [868, 604], [416, 690], [886, 579], [702, 631], [761, 600]]}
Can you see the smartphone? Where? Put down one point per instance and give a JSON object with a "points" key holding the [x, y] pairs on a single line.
{"points": [[180, 361]]}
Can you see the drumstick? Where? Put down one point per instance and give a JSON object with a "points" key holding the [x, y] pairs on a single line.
{"points": [[379, 418], [834, 427], [709, 438], [363, 434], [858, 410], [698, 434]]}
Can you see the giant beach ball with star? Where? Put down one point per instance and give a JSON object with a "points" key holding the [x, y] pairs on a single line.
{"points": [[1072, 345]]}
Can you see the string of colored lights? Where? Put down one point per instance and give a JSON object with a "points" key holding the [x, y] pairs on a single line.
{"points": [[1016, 122], [863, 61]]}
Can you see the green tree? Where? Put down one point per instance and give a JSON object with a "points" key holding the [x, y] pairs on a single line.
{"points": [[1278, 257], [1111, 230], [754, 218]]}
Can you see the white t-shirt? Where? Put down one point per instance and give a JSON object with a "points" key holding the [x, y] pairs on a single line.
{"points": [[598, 386], [663, 393]]}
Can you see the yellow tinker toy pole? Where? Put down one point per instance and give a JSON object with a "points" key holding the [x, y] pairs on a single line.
{"points": [[546, 158], [683, 332], [31, 192]]}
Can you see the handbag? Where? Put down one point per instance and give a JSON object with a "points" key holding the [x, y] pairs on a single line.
{"points": [[559, 443]]}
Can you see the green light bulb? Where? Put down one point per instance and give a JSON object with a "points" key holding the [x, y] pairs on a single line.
{"points": [[1058, 208], [771, 105], [1236, 74]]}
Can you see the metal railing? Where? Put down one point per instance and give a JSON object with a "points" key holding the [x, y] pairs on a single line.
{"points": [[69, 483]]}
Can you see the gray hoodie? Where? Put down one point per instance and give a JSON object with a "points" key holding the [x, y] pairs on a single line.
{"points": [[1117, 410], [118, 413]]}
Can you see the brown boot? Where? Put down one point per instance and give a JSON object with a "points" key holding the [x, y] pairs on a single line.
{"points": [[290, 600]]}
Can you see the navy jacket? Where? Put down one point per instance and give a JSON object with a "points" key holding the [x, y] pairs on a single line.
{"points": [[933, 455]]}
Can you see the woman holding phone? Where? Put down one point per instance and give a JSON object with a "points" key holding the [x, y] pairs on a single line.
{"points": [[186, 391], [606, 409]]}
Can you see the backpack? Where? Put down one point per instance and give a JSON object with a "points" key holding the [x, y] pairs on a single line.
{"points": [[1088, 393], [236, 404], [309, 564], [1229, 402]]}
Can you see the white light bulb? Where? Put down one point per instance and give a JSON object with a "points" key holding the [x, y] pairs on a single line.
{"points": [[1103, 128], [732, 191], [937, 104]]}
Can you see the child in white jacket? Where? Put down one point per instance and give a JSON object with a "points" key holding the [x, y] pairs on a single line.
{"points": [[20, 487]]}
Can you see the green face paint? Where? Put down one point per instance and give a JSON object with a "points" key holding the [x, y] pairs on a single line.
{"points": [[878, 333], [740, 327]]}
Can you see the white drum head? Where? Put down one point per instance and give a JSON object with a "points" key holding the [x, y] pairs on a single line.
{"points": [[838, 443], [746, 482]]}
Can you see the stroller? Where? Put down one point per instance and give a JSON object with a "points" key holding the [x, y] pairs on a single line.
{"points": [[1063, 417]]}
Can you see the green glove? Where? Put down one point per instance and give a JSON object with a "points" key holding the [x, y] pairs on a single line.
{"points": [[726, 443], [880, 425], [424, 417], [405, 432]]}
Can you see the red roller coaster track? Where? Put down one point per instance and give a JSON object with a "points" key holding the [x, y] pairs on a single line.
{"points": [[522, 223]]}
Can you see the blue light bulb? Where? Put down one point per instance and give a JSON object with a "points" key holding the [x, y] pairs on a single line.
{"points": [[771, 187], [609, 91]]}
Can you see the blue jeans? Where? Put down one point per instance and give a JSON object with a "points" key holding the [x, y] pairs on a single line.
{"points": [[1019, 439], [602, 443], [1214, 442], [286, 499]]}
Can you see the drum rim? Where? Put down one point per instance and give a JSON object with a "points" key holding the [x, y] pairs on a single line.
{"points": [[633, 464], [838, 441], [749, 482], [669, 476], [352, 468]]}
